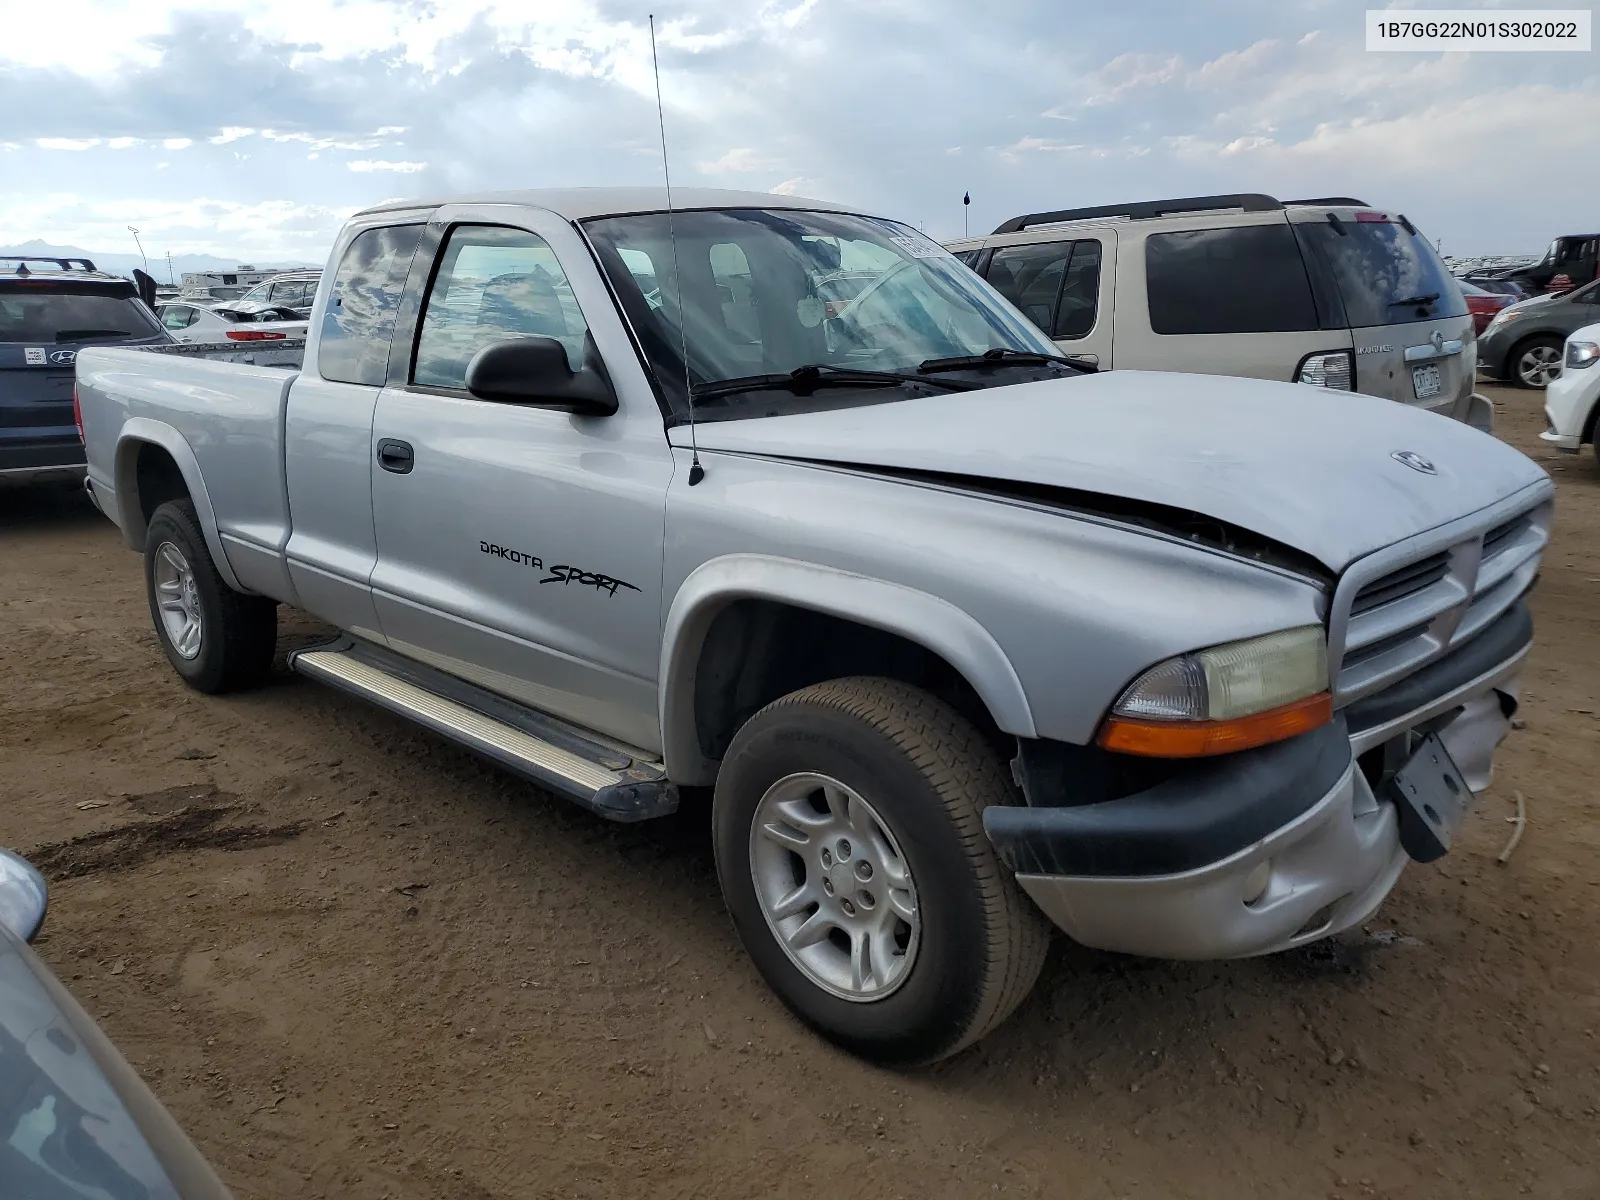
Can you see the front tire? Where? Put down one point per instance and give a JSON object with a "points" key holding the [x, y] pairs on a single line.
{"points": [[217, 639], [850, 847], [1535, 362]]}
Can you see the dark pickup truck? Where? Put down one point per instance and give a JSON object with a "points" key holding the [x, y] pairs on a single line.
{"points": [[50, 308]]}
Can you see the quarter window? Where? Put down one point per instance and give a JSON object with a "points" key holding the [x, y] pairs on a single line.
{"points": [[359, 321], [178, 316], [1247, 279], [493, 283]]}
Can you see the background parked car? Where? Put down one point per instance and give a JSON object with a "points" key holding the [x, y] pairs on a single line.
{"points": [[1574, 255], [50, 308], [1483, 304], [1572, 401], [1523, 344], [236, 321], [292, 289], [1485, 282], [75, 1120], [1328, 292]]}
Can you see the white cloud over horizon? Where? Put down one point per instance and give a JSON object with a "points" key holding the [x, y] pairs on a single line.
{"points": [[251, 131]]}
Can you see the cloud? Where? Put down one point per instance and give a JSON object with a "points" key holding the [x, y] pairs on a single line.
{"points": [[329, 105], [368, 165], [739, 161]]}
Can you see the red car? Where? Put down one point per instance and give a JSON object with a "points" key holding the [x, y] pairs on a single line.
{"points": [[1482, 305]]}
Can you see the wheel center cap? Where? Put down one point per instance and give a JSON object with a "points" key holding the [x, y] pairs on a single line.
{"points": [[843, 879]]}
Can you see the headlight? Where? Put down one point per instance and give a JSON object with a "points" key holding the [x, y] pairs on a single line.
{"points": [[1504, 317], [1335, 369], [1230, 697], [1582, 354]]}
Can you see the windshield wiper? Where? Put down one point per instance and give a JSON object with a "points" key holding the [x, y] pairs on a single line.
{"points": [[1002, 356], [802, 381], [81, 335], [1418, 301]]}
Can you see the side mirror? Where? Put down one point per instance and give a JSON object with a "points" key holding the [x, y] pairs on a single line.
{"points": [[22, 896], [534, 371]]}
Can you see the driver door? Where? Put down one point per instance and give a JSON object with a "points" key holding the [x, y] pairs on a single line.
{"points": [[519, 547]]}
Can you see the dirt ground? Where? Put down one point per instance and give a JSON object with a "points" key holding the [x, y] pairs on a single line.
{"points": [[355, 962]]}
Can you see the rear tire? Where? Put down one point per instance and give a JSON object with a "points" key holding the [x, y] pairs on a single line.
{"points": [[894, 783], [1535, 362], [217, 639]]}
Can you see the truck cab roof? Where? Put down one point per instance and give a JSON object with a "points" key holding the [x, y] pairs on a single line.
{"points": [[578, 204]]}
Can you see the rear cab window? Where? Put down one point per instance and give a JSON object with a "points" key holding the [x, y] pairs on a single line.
{"points": [[1385, 273]]}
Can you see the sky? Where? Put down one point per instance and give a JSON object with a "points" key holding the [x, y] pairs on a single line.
{"points": [[252, 128]]}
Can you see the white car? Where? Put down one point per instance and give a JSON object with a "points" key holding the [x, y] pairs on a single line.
{"points": [[1572, 400], [240, 321]]}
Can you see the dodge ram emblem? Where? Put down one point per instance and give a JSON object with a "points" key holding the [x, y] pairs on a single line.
{"points": [[63, 357], [1410, 458]]}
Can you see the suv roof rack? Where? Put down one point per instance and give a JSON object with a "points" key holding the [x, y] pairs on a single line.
{"points": [[1143, 210], [66, 264], [1339, 201]]}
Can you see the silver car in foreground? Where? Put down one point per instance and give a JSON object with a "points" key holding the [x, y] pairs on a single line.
{"points": [[967, 639]]}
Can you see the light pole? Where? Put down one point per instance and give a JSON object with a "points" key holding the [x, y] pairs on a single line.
{"points": [[169, 269], [140, 244]]}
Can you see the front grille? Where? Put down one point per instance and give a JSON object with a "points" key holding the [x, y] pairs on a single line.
{"points": [[1405, 606], [1396, 585]]}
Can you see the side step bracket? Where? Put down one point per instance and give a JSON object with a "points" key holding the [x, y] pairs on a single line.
{"points": [[599, 774]]}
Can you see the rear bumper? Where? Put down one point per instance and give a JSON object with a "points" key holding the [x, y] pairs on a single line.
{"points": [[58, 472], [1265, 850]]}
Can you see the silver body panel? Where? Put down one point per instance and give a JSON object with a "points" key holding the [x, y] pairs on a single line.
{"points": [[873, 513]]}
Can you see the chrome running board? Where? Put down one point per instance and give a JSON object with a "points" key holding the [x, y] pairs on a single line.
{"points": [[600, 775]]}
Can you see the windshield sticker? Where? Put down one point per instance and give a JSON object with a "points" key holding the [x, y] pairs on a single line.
{"points": [[33, 356], [809, 310], [917, 246]]}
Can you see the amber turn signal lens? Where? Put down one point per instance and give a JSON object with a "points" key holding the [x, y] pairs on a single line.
{"points": [[1198, 739]]}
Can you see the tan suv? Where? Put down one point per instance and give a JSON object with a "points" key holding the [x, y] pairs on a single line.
{"points": [[1328, 292]]}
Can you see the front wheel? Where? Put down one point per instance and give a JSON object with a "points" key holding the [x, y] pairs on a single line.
{"points": [[1536, 362], [218, 639], [850, 847]]}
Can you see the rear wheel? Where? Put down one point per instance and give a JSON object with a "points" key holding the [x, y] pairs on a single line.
{"points": [[850, 847], [218, 639], [1535, 362]]}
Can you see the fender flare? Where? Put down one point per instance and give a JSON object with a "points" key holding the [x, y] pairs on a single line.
{"points": [[936, 625], [138, 431]]}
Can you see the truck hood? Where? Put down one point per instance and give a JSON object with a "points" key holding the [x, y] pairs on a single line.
{"points": [[1309, 469]]}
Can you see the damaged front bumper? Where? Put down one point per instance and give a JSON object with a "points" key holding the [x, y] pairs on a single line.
{"points": [[1270, 848]]}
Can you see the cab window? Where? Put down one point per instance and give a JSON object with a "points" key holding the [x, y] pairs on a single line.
{"points": [[495, 283]]}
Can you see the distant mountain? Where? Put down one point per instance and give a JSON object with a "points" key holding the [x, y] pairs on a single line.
{"points": [[123, 264]]}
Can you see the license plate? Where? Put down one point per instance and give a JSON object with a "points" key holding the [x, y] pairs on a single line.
{"points": [[1432, 799], [1426, 381]]}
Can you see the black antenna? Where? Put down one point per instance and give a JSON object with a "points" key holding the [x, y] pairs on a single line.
{"points": [[966, 203], [696, 471]]}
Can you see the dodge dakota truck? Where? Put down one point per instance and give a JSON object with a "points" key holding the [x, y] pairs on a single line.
{"points": [[968, 640]]}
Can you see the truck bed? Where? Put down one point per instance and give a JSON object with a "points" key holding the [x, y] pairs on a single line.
{"points": [[218, 413]]}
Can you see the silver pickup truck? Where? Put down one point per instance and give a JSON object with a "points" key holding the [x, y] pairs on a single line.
{"points": [[967, 639]]}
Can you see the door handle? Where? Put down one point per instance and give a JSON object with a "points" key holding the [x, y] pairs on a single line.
{"points": [[396, 456]]}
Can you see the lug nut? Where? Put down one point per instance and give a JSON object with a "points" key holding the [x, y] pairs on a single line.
{"points": [[827, 859], [827, 886], [864, 898], [848, 907], [844, 850], [863, 870]]}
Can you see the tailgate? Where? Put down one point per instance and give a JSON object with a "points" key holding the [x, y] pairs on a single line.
{"points": [[1429, 364]]}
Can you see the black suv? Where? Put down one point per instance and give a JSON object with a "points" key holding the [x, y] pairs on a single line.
{"points": [[50, 308]]}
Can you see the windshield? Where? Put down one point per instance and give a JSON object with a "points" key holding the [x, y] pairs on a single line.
{"points": [[1384, 272], [766, 292], [55, 314]]}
